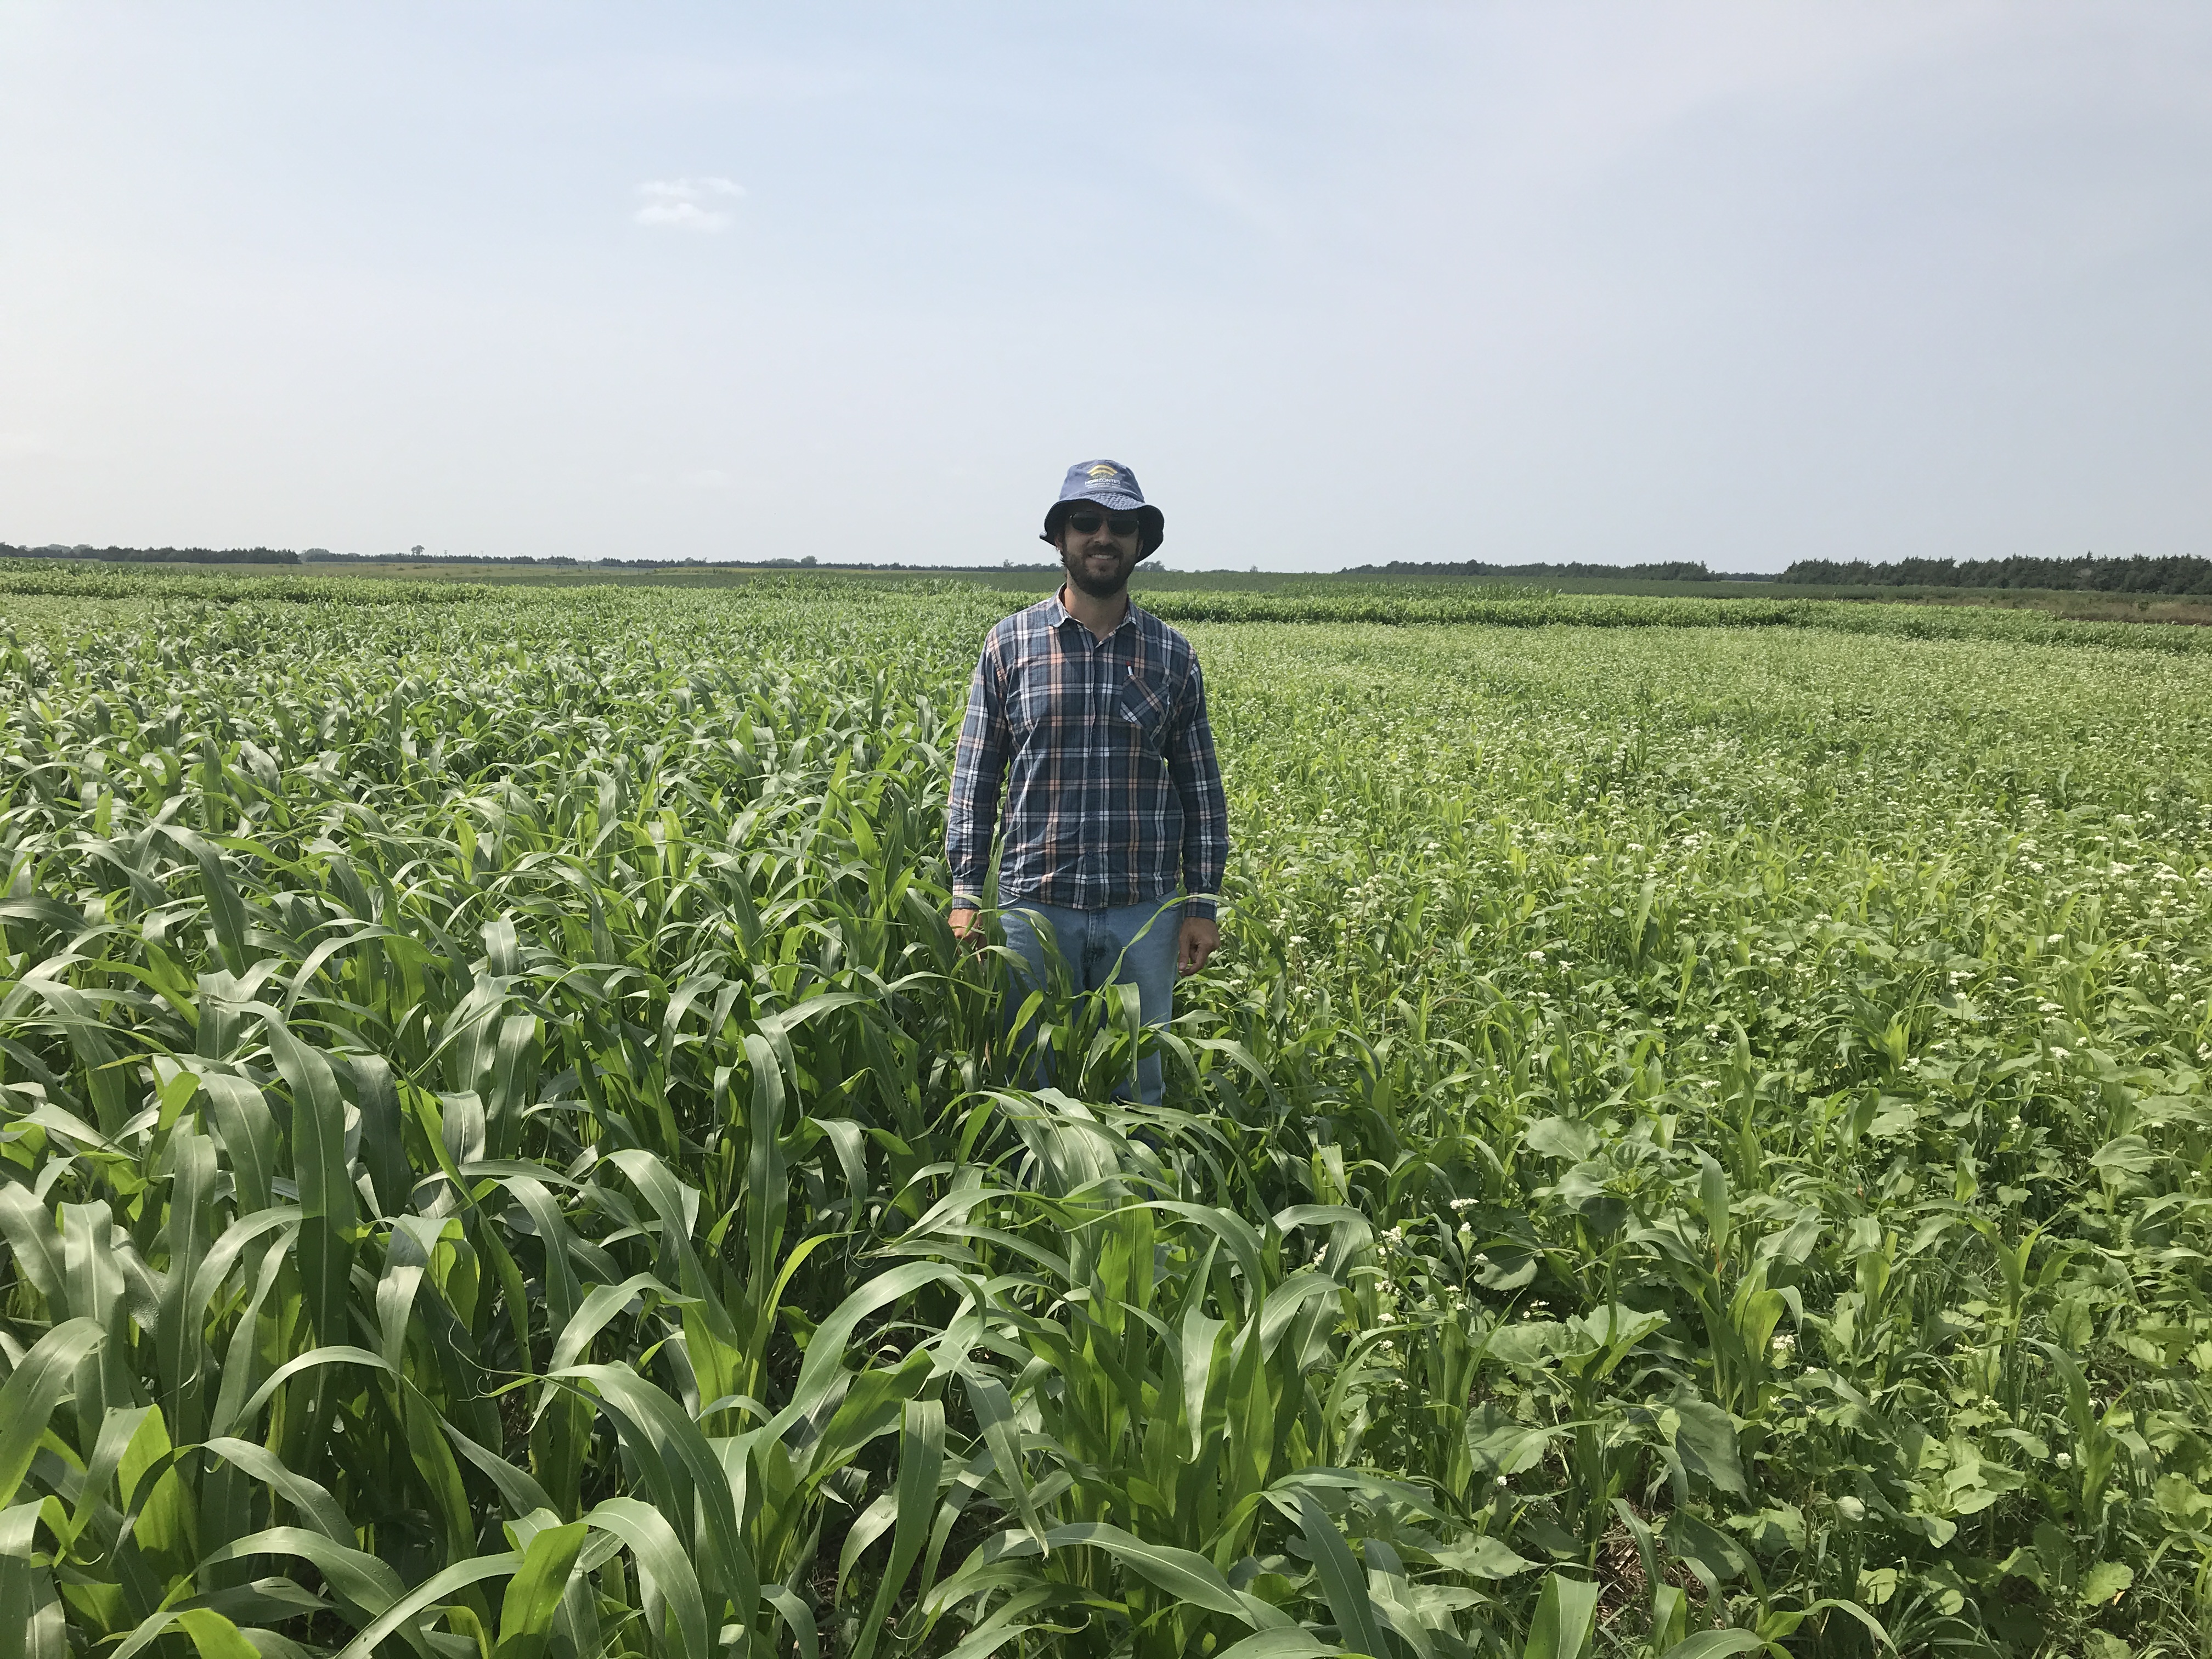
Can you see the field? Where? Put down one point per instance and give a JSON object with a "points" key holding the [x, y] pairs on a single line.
{"points": [[1157, 583], [1214, 596], [1697, 1144]]}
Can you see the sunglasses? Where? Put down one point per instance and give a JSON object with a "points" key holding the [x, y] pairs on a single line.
{"points": [[1086, 524]]}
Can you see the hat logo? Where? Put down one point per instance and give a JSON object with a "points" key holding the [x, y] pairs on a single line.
{"points": [[1103, 471]]}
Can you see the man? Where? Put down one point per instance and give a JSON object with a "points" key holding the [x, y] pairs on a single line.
{"points": [[1092, 713]]}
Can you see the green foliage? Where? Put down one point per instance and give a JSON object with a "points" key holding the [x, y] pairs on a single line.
{"points": [[2179, 572], [154, 554], [1432, 603], [1696, 1146], [1181, 597]]}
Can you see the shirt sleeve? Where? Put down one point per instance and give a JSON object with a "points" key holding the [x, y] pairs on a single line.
{"points": [[1197, 776], [978, 769]]}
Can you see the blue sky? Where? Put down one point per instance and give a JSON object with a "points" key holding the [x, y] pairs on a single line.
{"points": [[1742, 283]]}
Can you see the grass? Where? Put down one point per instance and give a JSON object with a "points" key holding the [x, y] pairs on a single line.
{"points": [[1697, 1129]]}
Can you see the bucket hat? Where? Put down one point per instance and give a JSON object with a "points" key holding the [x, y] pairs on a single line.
{"points": [[1111, 485]]}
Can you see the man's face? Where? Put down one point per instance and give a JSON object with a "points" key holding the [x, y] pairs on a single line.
{"points": [[1098, 560]]}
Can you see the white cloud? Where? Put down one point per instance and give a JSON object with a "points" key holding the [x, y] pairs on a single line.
{"points": [[688, 203]]}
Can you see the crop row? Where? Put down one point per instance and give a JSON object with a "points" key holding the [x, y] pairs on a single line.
{"points": [[1333, 601], [1697, 1138]]}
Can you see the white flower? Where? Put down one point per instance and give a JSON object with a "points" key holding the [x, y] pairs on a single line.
{"points": [[2060, 1053], [1535, 956]]}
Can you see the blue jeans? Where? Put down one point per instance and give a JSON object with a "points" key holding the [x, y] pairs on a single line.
{"points": [[1131, 944]]}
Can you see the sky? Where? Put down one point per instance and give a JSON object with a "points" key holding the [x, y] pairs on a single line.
{"points": [[1742, 283]]}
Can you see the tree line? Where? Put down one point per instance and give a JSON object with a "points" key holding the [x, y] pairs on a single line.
{"points": [[156, 555], [324, 556], [2179, 574], [1672, 570]]}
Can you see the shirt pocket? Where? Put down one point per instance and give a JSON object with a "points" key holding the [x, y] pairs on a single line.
{"points": [[1143, 706]]}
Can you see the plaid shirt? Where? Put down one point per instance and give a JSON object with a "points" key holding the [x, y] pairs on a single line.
{"points": [[1112, 793]]}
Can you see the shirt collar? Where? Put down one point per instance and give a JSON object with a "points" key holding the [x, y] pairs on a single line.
{"points": [[1055, 613]]}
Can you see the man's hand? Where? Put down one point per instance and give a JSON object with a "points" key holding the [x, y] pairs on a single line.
{"points": [[1200, 939], [967, 928]]}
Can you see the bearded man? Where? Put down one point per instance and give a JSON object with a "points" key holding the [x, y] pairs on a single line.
{"points": [[1089, 713]]}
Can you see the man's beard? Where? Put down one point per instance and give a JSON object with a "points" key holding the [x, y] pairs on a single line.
{"points": [[1098, 587]]}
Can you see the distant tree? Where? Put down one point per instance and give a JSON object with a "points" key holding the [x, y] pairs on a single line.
{"points": [[1672, 570], [2176, 574]]}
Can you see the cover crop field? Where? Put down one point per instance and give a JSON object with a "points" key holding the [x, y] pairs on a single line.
{"points": [[1697, 1144]]}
